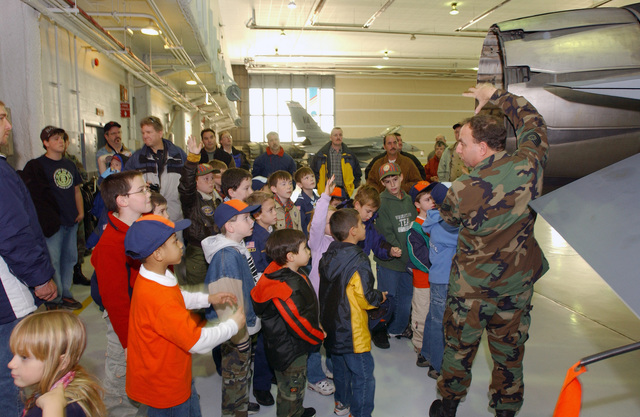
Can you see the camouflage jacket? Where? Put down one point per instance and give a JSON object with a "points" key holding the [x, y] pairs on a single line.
{"points": [[497, 253]]}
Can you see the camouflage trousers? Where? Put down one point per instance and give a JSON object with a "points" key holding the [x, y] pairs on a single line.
{"points": [[292, 384], [506, 321], [236, 367]]}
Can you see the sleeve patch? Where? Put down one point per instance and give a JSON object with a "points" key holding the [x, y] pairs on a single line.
{"points": [[534, 137]]}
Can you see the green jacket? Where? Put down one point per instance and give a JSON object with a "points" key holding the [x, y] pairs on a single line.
{"points": [[497, 253], [395, 217]]}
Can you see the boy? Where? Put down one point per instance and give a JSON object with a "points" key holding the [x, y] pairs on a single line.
{"points": [[418, 247], [395, 216], [231, 269], [338, 197], [307, 199], [219, 168], [163, 334], [126, 197], [281, 185], [265, 219], [235, 183], [198, 205], [54, 185], [346, 283], [442, 247], [287, 305], [159, 205]]}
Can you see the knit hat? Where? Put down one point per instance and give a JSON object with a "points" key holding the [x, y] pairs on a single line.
{"points": [[150, 232], [390, 168], [438, 192], [230, 208], [417, 189], [203, 169]]}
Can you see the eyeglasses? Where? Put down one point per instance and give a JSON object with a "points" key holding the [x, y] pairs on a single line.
{"points": [[144, 189]]}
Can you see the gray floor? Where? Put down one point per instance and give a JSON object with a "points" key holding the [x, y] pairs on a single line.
{"points": [[575, 315]]}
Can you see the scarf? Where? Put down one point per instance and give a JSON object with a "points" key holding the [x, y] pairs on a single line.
{"points": [[288, 223]]}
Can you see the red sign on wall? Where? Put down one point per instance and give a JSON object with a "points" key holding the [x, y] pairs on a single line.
{"points": [[125, 110]]}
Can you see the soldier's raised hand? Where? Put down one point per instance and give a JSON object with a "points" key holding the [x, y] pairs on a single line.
{"points": [[482, 93]]}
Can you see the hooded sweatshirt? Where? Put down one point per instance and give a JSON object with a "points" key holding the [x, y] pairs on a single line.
{"points": [[395, 217], [346, 292], [229, 272], [442, 246], [288, 308]]}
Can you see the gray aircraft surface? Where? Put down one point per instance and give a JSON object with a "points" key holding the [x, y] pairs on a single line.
{"points": [[315, 138], [581, 70]]}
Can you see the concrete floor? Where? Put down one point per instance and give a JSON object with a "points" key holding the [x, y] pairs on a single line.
{"points": [[575, 314]]}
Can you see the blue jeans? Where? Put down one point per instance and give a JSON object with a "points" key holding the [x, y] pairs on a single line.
{"points": [[189, 408], [63, 250], [355, 384], [10, 402], [400, 286], [262, 372], [433, 341]]}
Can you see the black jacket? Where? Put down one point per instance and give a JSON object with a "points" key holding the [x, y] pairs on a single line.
{"points": [[238, 160], [287, 305], [346, 292]]}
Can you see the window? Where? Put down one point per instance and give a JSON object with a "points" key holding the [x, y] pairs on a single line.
{"points": [[268, 97]]}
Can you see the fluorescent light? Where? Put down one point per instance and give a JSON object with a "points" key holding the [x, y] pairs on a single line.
{"points": [[192, 82]]}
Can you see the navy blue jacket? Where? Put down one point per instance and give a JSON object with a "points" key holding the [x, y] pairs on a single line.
{"points": [[256, 244], [268, 163], [307, 206], [22, 244]]}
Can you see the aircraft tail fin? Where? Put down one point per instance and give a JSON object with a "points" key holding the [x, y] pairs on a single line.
{"points": [[306, 126]]}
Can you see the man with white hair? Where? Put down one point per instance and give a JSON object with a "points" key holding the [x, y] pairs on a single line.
{"points": [[274, 159]]}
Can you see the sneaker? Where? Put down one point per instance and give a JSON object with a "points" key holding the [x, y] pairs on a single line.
{"points": [[422, 362], [309, 412], [71, 303], [433, 373], [263, 397], [341, 409], [381, 339], [324, 387], [407, 333], [253, 408]]}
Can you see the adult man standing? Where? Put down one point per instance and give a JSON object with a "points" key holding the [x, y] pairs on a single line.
{"points": [[25, 266], [54, 185], [498, 259], [274, 159], [410, 174], [160, 162], [228, 154], [411, 156], [336, 159], [209, 146], [114, 145], [451, 165]]}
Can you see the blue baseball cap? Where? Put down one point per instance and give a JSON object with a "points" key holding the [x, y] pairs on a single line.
{"points": [[258, 182], [230, 208], [150, 232], [378, 317], [438, 192], [417, 189]]}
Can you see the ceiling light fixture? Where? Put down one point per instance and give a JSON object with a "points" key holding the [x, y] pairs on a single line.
{"points": [[150, 30], [292, 4], [413, 37], [386, 55], [454, 9], [282, 33], [192, 82]]}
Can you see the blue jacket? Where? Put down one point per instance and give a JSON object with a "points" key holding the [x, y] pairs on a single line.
{"points": [[22, 246], [351, 172], [443, 241], [418, 248], [374, 241], [307, 206], [256, 244], [168, 178], [268, 163]]}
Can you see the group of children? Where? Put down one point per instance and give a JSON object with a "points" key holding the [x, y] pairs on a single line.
{"points": [[268, 293]]}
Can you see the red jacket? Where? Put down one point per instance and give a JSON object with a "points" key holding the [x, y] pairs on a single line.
{"points": [[116, 275], [431, 169]]}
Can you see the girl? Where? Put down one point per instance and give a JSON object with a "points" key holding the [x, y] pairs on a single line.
{"points": [[47, 348]]}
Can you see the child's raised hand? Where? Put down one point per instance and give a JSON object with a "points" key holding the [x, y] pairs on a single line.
{"points": [[53, 402], [395, 252], [328, 189], [222, 298], [239, 317], [193, 146]]}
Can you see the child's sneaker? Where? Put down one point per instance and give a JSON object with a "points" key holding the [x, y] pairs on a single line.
{"points": [[340, 409], [324, 387]]}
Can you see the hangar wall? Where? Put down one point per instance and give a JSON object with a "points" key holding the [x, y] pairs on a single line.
{"points": [[425, 107]]}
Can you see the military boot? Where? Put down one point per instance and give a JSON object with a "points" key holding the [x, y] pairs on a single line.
{"points": [[505, 413], [443, 408]]}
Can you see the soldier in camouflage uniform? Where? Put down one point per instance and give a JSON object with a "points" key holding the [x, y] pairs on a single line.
{"points": [[498, 259]]}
